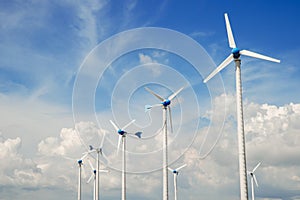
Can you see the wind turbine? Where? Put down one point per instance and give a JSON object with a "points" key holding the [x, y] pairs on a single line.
{"points": [[235, 56], [253, 179], [165, 103], [98, 151], [80, 169], [79, 179], [122, 139], [94, 176], [175, 174]]}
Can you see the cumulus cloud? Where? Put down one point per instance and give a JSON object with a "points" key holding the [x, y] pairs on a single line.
{"points": [[271, 138], [15, 169]]}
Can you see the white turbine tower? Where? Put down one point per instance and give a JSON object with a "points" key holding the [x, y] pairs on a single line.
{"points": [[175, 174], [98, 151], [122, 139], [253, 179], [165, 103], [94, 176], [235, 56]]}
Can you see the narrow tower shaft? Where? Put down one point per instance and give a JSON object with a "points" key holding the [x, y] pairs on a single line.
{"points": [[94, 198], [97, 176], [252, 187], [123, 168], [165, 156], [175, 186], [240, 132], [79, 183]]}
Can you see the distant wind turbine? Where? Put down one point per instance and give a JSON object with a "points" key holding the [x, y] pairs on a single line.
{"points": [[94, 176], [253, 179], [98, 151], [165, 103], [235, 56], [175, 174], [122, 139], [80, 170], [79, 179]]}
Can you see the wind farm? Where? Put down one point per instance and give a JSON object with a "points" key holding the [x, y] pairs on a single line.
{"points": [[92, 103], [165, 104]]}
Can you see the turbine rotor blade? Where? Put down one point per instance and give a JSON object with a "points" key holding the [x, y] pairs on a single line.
{"points": [[149, 107], [103, 170], [83, 171], [179, 168], [139, 134], [156, 95], [102, 142], [254, 177], [135, 135], [89, 180], [170, 169], [114, 125], [91, 165], [229, 32], [170, 113], [226, 62], [255, 167], [128, 124], [256, 55], [175, 94], [105, 157], [84, 155]]}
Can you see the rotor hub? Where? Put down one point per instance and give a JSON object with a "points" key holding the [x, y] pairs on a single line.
{"points": [[236, 52], [121, 132], [166, 103]]}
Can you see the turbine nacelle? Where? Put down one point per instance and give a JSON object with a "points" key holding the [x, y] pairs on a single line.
{"points": [[166, 103], [236, 53], [79, 162], [121, 132]]}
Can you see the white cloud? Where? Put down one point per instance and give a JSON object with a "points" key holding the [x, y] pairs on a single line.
{"points": [[144, 59], [16, 170], [55, 164]]}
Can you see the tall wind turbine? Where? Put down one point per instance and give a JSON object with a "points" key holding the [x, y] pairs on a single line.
{"points": [[122, 139], [165, 103], [94, 176], [175, 174], [253, 178], [98, 151], [235, 56]]}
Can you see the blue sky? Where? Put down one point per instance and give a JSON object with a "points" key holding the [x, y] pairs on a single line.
{"points": [[44, 45]]}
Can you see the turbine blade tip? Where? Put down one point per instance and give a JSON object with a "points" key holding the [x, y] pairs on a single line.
{"points": [[147, 107]]}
